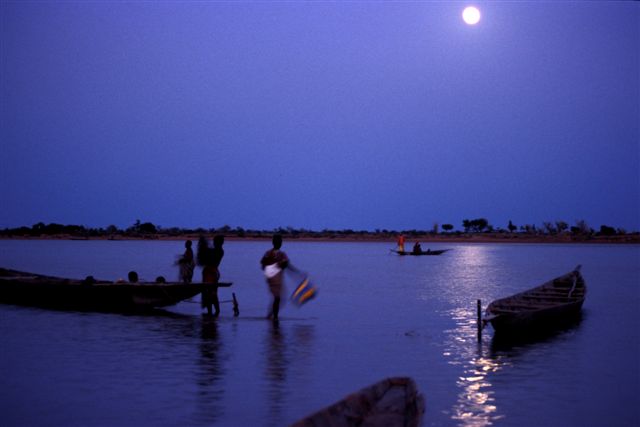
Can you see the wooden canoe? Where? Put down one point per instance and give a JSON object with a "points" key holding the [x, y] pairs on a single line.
{"points": [[21, 288], [390, 402], [551, 305], [427, 252]]}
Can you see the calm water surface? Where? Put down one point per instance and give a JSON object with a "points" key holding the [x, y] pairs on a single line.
{"points": [[376, 315]]}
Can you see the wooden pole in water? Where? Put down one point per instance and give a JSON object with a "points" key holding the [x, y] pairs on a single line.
{"points": [[236, 309], [479, 321]]}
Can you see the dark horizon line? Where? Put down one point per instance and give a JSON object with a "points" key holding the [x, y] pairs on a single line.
{"points": [[480, 225]]}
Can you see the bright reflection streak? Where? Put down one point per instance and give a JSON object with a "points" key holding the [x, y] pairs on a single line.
{"points": [[476, 404]]}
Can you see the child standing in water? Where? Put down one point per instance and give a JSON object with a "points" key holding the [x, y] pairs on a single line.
{"points": [[187, 263]]}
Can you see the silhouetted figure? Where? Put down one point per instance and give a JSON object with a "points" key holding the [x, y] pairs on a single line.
{"points": [[417, 249], [133, 277], [273, 264], [187, 263], [209, 259]]}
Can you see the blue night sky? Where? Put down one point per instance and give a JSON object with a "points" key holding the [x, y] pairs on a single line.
{"points": [[360, 115]]}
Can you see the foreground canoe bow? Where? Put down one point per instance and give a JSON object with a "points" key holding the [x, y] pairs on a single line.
{"points": [[427, 252], [551, 305], [29, 289], [390, 402]]}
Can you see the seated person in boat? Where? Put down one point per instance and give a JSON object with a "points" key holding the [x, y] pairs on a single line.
{"points": [[133, 277], [417, 249]]}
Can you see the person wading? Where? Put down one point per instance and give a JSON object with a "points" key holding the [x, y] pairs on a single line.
{"points": [[210, 259], [273, 264], [187, 263]]}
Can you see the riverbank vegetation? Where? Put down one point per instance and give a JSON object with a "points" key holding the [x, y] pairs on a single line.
{"points": [[478, 230]]}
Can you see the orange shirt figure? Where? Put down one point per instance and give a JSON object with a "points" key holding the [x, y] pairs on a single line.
{"points": [[401, 243]]}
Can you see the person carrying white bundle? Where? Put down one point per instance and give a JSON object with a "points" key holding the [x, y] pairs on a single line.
{"points": [[273, 264]]}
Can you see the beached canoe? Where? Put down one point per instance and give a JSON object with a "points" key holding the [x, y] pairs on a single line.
{"points": [[427, 252], [390, 402], [552, 305], [30, 289]]}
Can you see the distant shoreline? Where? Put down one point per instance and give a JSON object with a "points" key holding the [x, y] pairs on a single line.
{"points": [[423, 239]]}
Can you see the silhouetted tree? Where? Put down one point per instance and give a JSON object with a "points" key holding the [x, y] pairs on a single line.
{"points": [[147, 228], [582, 227], [38, 228], [561, 226], [512, 227], [112, 229], [605, 230], [447, 227], [549, 227], [475, 225]]}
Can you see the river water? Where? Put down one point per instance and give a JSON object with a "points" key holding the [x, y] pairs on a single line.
{"points": [[376, 315]]}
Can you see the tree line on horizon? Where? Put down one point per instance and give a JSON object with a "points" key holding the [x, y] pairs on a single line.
{"points": [[469, 226]]}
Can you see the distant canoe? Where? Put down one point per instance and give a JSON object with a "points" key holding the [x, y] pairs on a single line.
{"points": [[427, 252], [17, 287], [551, 305], [390, 402]]}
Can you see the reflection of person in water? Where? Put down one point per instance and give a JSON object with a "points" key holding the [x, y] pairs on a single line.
{"points": [[273, 264], [292, 350], [211, 374], [209, 259], [276, 373]]}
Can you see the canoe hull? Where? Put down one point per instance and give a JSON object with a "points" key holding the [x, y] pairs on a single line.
{"points": [[390, 402], [550, 306], [429, 252], [537, 322], [68, 294]]}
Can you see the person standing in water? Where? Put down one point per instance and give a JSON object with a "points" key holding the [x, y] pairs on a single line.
{"points": [[273, 264], [187, 263], [210, 259]]}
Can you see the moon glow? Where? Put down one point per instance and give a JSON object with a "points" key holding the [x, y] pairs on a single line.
{"points": [[471, 15]]}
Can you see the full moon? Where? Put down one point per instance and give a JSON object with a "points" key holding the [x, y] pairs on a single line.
{"points": [[471, 15]]}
